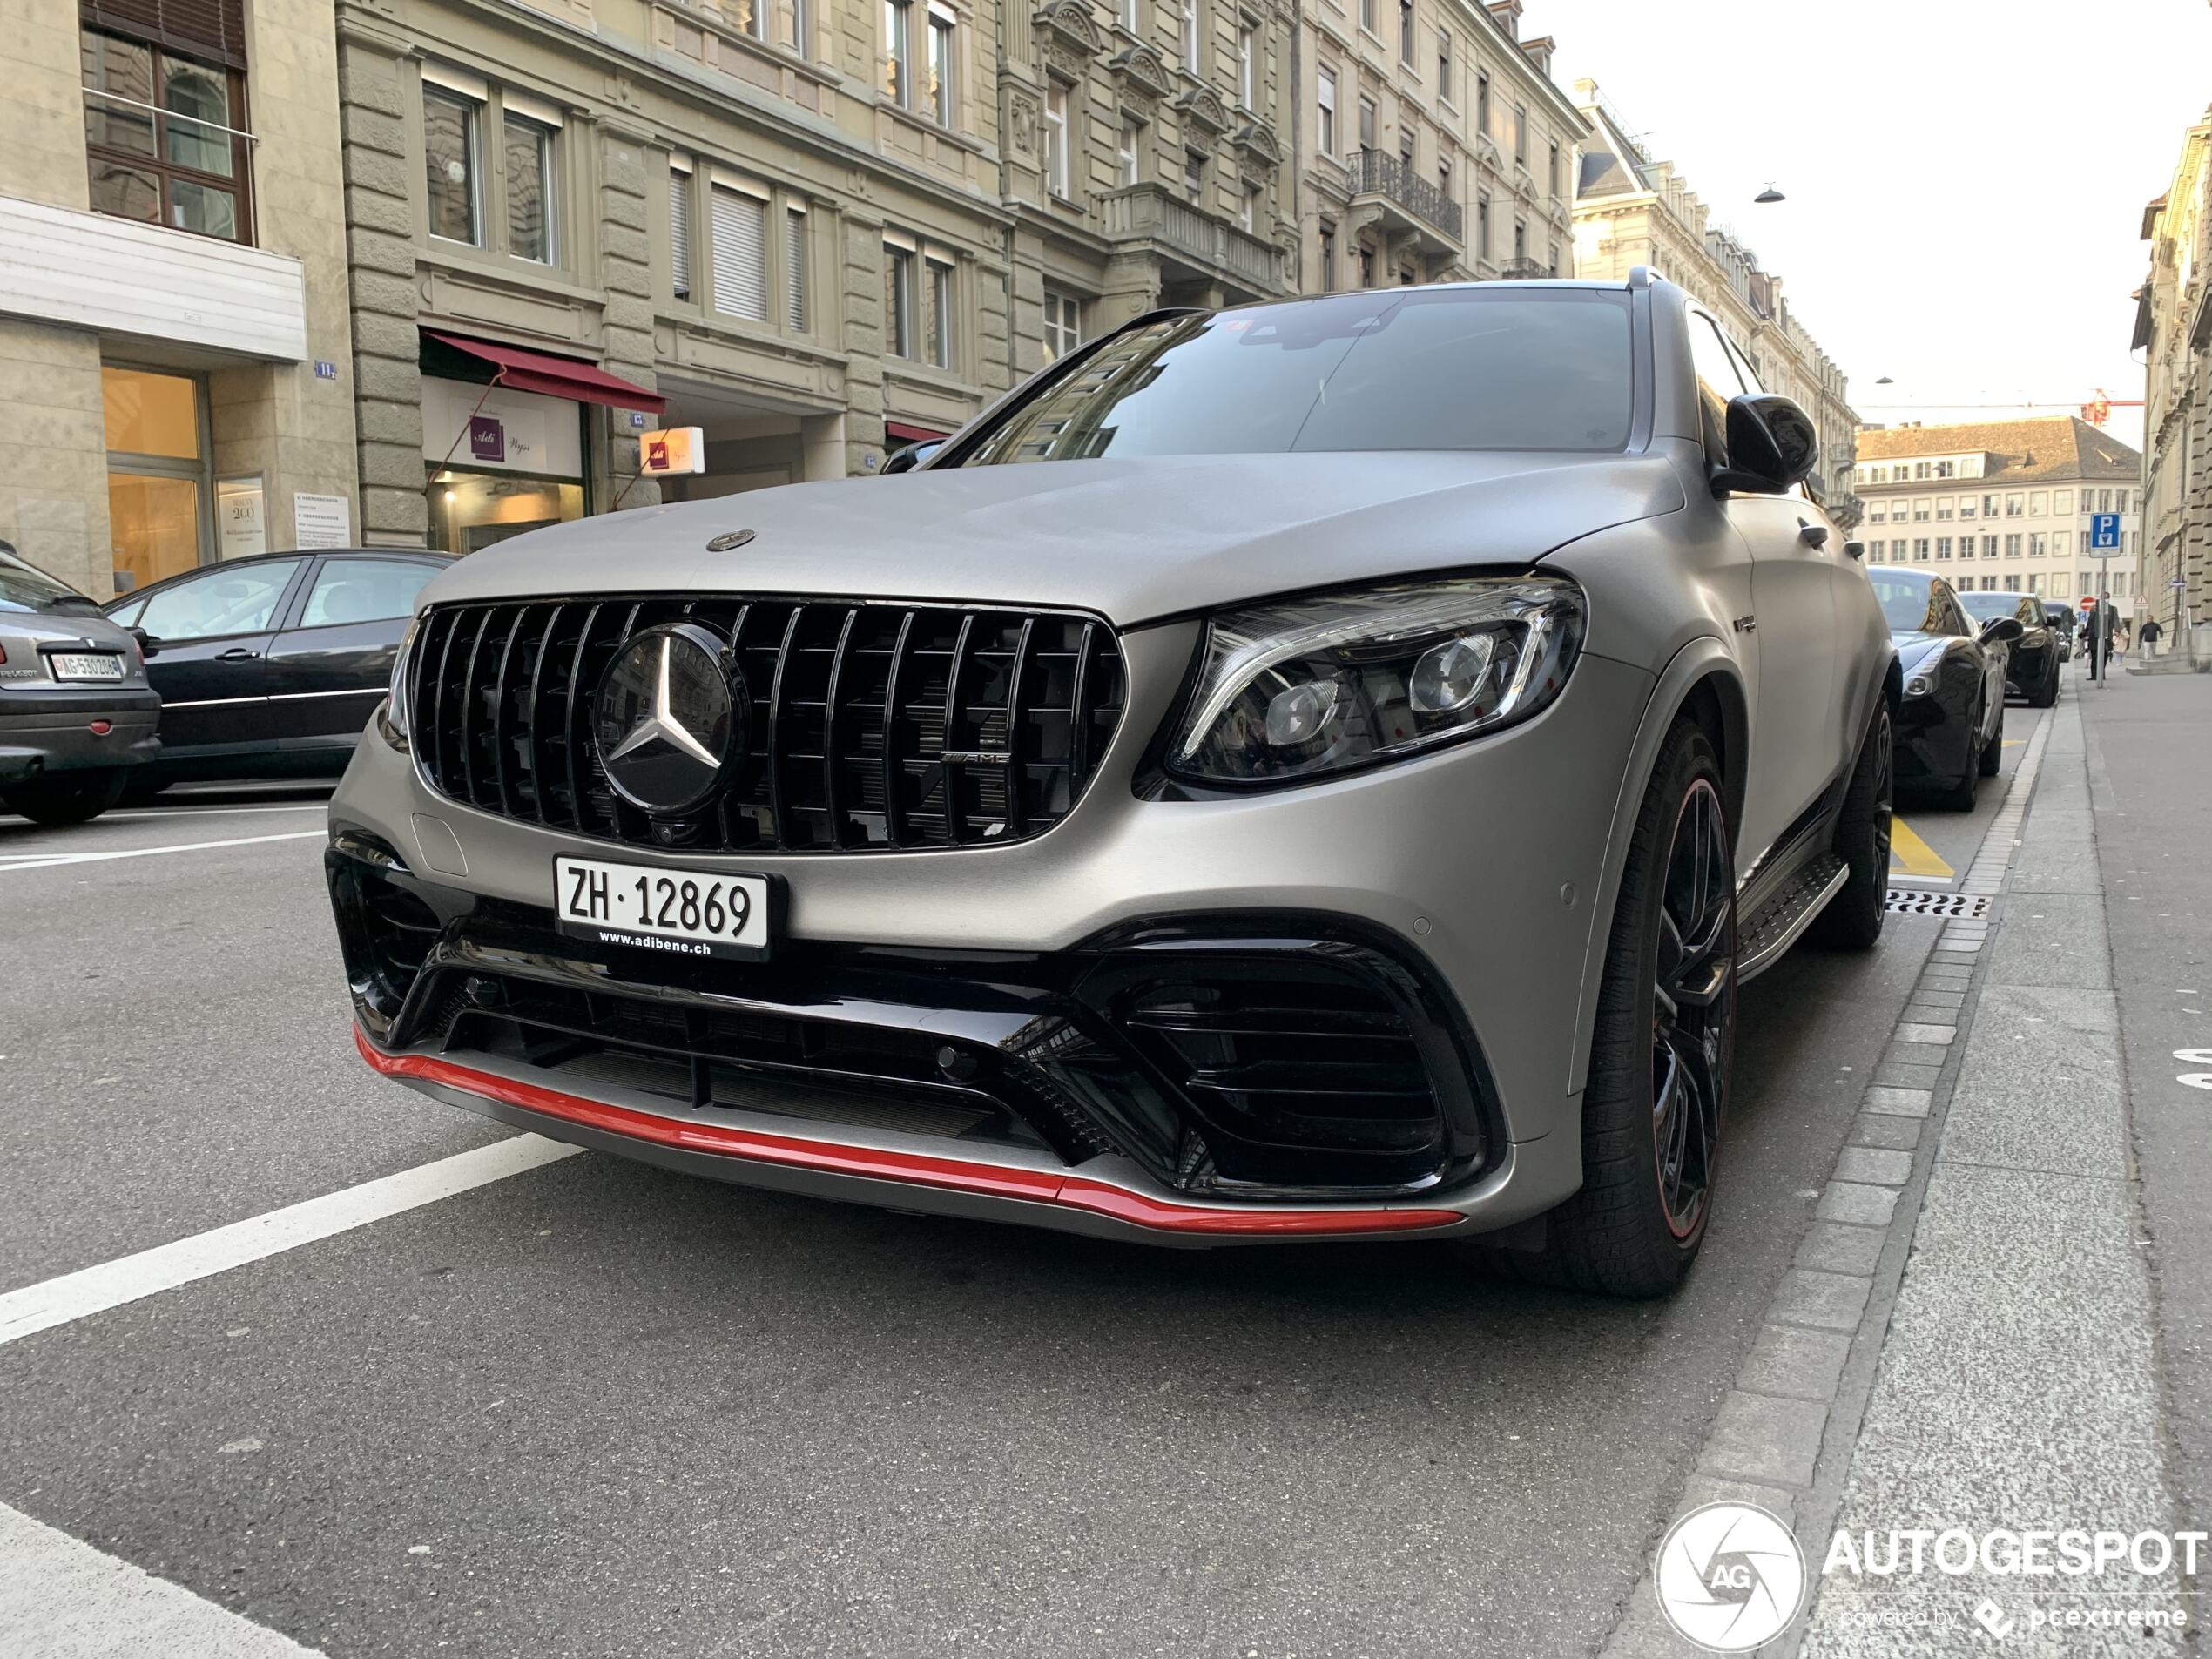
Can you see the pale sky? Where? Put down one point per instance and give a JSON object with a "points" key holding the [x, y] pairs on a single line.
{"points": [[1965, 178]]}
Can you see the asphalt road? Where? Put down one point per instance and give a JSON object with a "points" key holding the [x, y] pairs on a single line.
{"points": [[600, 1409]]}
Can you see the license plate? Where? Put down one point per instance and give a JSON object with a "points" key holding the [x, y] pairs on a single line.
{"points": [[680, 912], [85, 666]]}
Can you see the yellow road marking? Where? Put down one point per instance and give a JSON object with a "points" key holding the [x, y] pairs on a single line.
{"points": [[1910, 855], [2014, 743]]}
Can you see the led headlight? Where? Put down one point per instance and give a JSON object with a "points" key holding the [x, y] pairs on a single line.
{"points": [[1919, 685], [1301, 687], [392, 716]]}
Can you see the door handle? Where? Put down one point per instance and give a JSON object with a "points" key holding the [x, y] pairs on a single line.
{"points": [[237, 654]]}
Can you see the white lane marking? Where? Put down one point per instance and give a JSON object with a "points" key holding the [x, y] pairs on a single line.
{"points": [[60, 1596], [95, 1290], [48, 860]]}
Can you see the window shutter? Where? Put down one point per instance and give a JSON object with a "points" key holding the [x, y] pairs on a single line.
{"points": [[795, 269], [680, 234], [740, 255], [209, 28]]}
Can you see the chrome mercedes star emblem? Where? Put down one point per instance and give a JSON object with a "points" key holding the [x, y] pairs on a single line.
{"points": [[665, 715], [724, 543]]}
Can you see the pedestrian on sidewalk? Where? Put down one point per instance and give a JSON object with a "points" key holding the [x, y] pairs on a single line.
{"points": [[2118, 641], [2150, 631]]}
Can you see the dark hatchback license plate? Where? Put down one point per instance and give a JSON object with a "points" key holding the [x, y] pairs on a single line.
{"points": [[677, 913]]}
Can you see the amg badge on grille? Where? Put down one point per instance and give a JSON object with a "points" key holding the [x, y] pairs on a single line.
{"points": [[668, 716]]}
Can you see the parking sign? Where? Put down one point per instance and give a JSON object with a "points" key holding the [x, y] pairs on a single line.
{"points": [[2104, 532]]}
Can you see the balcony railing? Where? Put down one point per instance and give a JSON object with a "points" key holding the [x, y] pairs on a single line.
{"points": [[1383, 174], [1151, 212], [1523, 270]]}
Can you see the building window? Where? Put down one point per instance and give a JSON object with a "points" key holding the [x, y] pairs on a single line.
{"points": [[740, 232], [1943, 547], [795, 269], [2013, 505], [1247, 62], [1482, 103], [1063, 324], [2062, 543], [1943, 507], [2038, 502], [2013, 546], [1444, 64], [937, 317], [159, 482], [1920, 548], [899, 299], [1194, 174], [679, 232], [1366, 266], [2037, 547], [1406, 148], [529, 189], [1920, 511], [1520, 242], [2063, 503], [1055, 137], [897, 52], [1551, 257], [1482, 225], [1521, 134], [1324, 131], [1191, 35], [1989, 547], [1366, 124], [802, 28], [1248, 215], [453, 166], [1367, 15], [1551, 172], [1966, 506], [1328, 257], [1405, 31], [939, 103], [1444, 176], [1128, 158], [1989, 506], [1128, 15], [164, 138], [1921, 469]]}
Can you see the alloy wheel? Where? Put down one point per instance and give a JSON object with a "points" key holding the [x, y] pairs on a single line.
{"points": [[1884, 795], [1693, 1006]]}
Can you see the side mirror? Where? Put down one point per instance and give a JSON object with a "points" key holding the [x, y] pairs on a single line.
{"points": [[913, 455], [148, 646], [2001, 630], [1771, 444], [1856, 550]]}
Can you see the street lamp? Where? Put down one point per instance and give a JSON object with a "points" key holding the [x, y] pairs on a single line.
{"points": [[1770, 194]]}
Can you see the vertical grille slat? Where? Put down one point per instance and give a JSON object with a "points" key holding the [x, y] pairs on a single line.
{"points": [[832, 737], [859, 712]]}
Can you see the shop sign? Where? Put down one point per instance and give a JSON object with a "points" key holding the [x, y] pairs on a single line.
{"points": [[321, 521], [675, 449]]}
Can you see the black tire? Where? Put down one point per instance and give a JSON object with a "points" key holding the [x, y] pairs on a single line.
{"points": [[1635, 1226], [2047, 694], [66, 797], [1960, 798], [142, 785], [1993, 753], [1854, 918]]}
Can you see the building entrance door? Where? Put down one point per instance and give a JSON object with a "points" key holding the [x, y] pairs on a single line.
{"points": [[157, 486]]}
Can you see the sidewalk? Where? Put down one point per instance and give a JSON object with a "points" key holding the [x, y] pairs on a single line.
{"points": [[2019, 1384]]}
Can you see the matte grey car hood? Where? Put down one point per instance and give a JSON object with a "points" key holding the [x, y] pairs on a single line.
{"points": [[1132, 540]]}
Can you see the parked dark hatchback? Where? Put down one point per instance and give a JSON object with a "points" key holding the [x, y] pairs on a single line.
{"points": [[2032, 665], [269, 667]]}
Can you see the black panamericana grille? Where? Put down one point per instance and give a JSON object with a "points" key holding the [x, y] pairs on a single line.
{"points": [[875, 727]]}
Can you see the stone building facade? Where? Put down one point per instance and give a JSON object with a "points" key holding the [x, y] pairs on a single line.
{"points": [[1432, 145], [174, 315], [1631, 209], [1995, 505], [2174, 330]]}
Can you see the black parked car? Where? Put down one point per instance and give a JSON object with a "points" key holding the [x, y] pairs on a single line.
{"points": [[1951, 725], [2032, 663], [269, 667], [2061, 618]]}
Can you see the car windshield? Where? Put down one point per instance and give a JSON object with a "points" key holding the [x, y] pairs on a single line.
{"points": [[1908, 601], [1427, 369], [1987, 607], [24, 586]]}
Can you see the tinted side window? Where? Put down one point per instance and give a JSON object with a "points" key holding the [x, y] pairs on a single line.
{"points": [[220, 602], [1951, 614], [1718, 381], [364, 590]]}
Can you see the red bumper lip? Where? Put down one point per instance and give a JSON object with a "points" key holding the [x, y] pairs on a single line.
{"points": [[955, 1174]]}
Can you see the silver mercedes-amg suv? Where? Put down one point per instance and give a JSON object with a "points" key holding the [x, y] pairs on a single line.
{"points": [[1309, 770]]}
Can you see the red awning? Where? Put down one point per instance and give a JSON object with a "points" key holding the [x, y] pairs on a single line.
{"points": [[531, 371], [900, 432]]}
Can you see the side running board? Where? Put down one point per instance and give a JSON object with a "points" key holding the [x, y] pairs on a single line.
{"points": [[1774, 927]]}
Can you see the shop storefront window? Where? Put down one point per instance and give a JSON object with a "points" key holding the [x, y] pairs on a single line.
{"points": [[157, 474], [498, 462]]}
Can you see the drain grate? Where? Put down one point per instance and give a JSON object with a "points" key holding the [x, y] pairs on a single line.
{"points": [[1913, 902]]}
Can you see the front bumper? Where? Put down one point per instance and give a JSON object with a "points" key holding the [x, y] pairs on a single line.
{"points": [[54, 730], [1466, 875]]}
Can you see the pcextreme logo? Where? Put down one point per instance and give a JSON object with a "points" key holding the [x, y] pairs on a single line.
{"points": [[1729, 1576]]}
